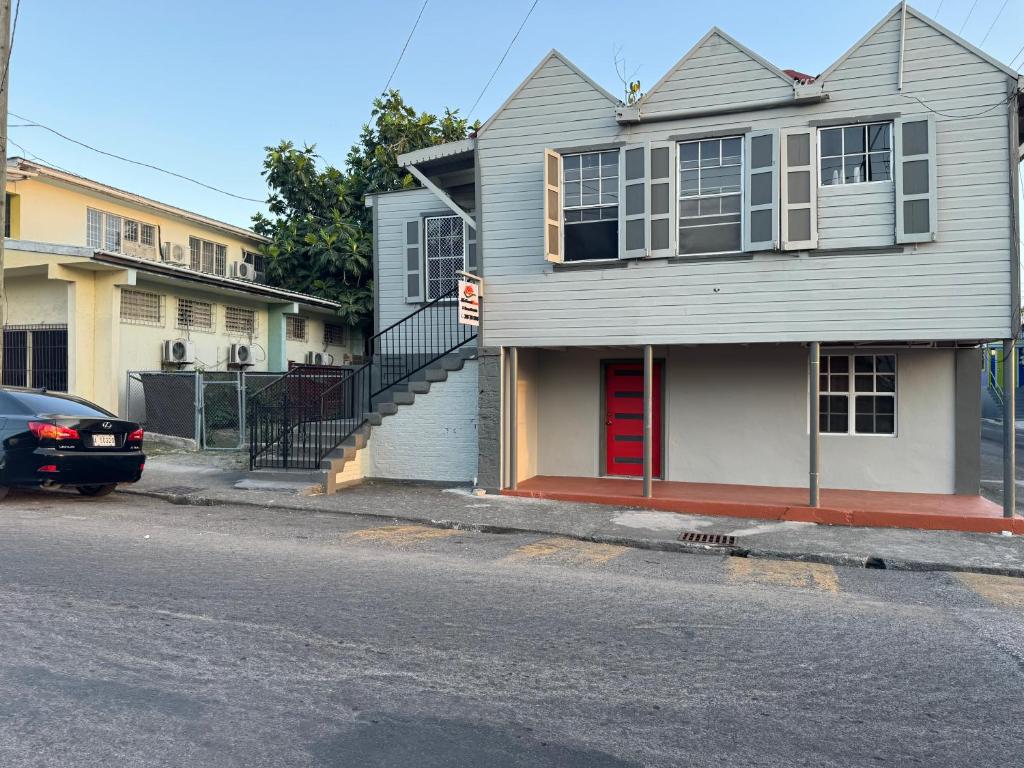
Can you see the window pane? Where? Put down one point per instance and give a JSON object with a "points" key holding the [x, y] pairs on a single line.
{"points": [[885, 363], [597, 240], [94, 229], [690, 183], [885, 405], [878, 137], [590, 214], [885, 424], [610, 212], [865, 423], [710, 206], [709, 153], [610, 161], [591, 165], [831, 171], [838, 364], [609, 196], [864, 363], [864, 382], [853, 140], [885, 383], [571, 167], [880, 166], [112, 233], [731, 204], [839, 423], [823, 383], [688, 155], [689, 207], [840, 383], [572, 193], [715, 181], [855, 169], [731, 149], [832, 142], [571, 216], [838, 403], [716, 238]]}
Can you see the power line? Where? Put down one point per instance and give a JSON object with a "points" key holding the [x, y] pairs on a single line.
{"points": [[939, 9], [969, 13], [502, 59], [984, 111], [34, 124], [993, 25], [10, 47], [402, 54], [1016, 55]]}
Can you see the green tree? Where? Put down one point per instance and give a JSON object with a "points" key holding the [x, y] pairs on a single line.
{"points": [[321, 234]]}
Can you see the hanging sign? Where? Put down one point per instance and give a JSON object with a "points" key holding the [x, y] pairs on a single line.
{"points": [[469, 302]]}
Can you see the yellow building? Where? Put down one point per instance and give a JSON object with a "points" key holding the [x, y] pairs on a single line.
{"points": [[101, 282]]}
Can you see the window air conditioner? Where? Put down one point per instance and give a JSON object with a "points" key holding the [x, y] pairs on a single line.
{"points": [[316, 358], [179, 352], [172, 252], [240, 354], [243, 271]]}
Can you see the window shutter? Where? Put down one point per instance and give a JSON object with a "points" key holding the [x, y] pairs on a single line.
{"points": [[553, 247], [471, 258], [661, 198], [413, 261], [633, 202], [917, 216], [799, 189], [761, 198]]}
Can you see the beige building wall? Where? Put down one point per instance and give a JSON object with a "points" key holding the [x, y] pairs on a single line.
{"points": [[738, 414], [34, 299]]}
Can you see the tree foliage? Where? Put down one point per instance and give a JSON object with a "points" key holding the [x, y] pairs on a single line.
{"points": [[321, 233]]}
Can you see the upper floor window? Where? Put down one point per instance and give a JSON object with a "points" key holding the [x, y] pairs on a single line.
{"points": [[258, 262], [855, 154], [446, 254], [117, 234], [590, 205], [710, 191], [206, 256]]}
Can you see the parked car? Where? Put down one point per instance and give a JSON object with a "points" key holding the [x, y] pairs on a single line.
{"points": [[52, 439]]}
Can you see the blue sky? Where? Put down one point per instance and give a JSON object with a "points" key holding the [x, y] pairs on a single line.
{"points": [[202, 87]]}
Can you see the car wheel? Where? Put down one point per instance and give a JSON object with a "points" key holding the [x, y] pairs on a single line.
{"points": [[96, 490]]}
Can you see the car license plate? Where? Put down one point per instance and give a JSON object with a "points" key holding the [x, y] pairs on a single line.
{"points": [[103, 441]]}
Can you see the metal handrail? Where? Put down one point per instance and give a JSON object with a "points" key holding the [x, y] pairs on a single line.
{"points": [[452, 294]]}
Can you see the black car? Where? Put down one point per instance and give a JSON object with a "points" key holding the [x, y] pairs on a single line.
{"points": [[52, 439]]}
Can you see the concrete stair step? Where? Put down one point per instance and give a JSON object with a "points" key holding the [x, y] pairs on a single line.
{"points": [[403, 398], [419, 387], [436, 374]]}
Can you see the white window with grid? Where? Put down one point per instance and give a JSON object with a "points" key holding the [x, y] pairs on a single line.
{"points": [[207, 256], [148, 236], [295, 328], [195, 315], [334, 335], [710, 196], [240, 320], [141, 307], [855, 154], [858, 395], [111, 232], [131, 231], [446, 254], [590, 205]]}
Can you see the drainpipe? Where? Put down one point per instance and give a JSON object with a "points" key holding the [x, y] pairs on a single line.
{"points": [[648, 421], [1009, 428], [903, 36], [815, 430]]}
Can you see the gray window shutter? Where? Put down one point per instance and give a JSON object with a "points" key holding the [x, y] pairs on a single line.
{"points": [[633, 202], [661, 198], [799, 189], [917, 215], [413, 261], [761, 193], [553, 245], [472, 264]]}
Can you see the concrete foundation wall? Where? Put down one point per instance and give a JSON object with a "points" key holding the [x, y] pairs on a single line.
{"points": [[489, 418], [435, 438], [738, 414]]}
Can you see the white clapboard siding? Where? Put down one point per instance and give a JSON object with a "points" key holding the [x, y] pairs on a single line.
{"points": [[858, 285]]}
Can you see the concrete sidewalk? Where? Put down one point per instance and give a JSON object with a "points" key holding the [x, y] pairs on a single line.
{"points": [[209, 478]]}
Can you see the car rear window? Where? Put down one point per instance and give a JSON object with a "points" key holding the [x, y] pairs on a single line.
{"points": [[32, 404]]}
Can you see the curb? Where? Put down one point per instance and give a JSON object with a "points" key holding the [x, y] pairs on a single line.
{"points": [[656, 545]]}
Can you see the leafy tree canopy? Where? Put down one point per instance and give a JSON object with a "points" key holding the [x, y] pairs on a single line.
{"points": [[321, 234]]}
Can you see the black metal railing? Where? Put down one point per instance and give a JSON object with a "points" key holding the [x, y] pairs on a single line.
{"points": [[36, 356], [296, 420]]}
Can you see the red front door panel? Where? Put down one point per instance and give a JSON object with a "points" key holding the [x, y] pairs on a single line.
{"points": [[624, 419]]}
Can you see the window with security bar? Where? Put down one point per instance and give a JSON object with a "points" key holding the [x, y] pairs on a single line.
{"points": [[334, 334], [141, 307], [195, 315], [118, 234], [240, 320], [206, 256], [446, 254], [295, 328]]}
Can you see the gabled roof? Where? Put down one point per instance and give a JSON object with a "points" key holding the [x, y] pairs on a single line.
{"points": [[712, 33], [911, 11], [552, 54]]}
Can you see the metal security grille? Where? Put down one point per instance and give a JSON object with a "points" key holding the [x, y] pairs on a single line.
{"points": [[334, 334], [141, 307], [446, 254], [240, 320], [712, 539], [295, 328], [36, 356], [195, 315]]}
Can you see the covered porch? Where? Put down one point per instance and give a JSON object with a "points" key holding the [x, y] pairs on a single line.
{"points": [[852, 434]]}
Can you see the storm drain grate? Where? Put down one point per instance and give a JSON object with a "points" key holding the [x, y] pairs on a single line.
{"points": [[714, 539]]}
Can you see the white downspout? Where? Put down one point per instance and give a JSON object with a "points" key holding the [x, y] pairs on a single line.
{"points": [[903, 36]]}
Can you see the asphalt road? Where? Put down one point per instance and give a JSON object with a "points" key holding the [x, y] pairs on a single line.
{"points": [[140, 633], [992, 464]]}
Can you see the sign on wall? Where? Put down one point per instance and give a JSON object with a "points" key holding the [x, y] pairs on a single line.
{"points": [[469, 302]]}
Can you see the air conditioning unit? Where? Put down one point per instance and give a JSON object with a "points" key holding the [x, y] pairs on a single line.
{"points": [[316, 358], [240, 354], [243, 271], [179, 352], [172, 252]]}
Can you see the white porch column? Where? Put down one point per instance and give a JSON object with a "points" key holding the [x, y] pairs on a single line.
{"points": [[513, 418], [814, 402]]}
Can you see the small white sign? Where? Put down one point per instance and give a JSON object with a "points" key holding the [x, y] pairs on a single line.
{"points": [[469, 302]]}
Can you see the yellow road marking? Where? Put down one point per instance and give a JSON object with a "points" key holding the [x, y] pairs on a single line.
{"points": [[783, 573], [1004, 591], [568, 550], [402, 535]]}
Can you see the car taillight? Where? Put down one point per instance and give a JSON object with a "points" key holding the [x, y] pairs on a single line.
{"points": [[136, 436], [48, 468], [44, 431]]}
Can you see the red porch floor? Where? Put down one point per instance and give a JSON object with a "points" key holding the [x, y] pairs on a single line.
{"points": [[838, 507]]}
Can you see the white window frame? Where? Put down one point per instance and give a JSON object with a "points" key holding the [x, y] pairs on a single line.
{"points": [[429, 292], [618, 204], [126, 293], [852, 394], [248, 312], [143, 226], [104, 221], [190, 326], [218, 256], [739, 194], [867, 154]]}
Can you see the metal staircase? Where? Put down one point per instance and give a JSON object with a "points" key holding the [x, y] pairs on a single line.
{"points": [[315, 419]]}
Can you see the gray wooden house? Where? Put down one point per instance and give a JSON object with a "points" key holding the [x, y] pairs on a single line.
{"points": [[749, 277]]}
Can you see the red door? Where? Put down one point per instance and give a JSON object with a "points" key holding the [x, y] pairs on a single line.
{"points": [[624, 419]]}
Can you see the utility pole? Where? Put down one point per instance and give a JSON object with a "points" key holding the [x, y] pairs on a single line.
{"points": [[5, 61]]}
